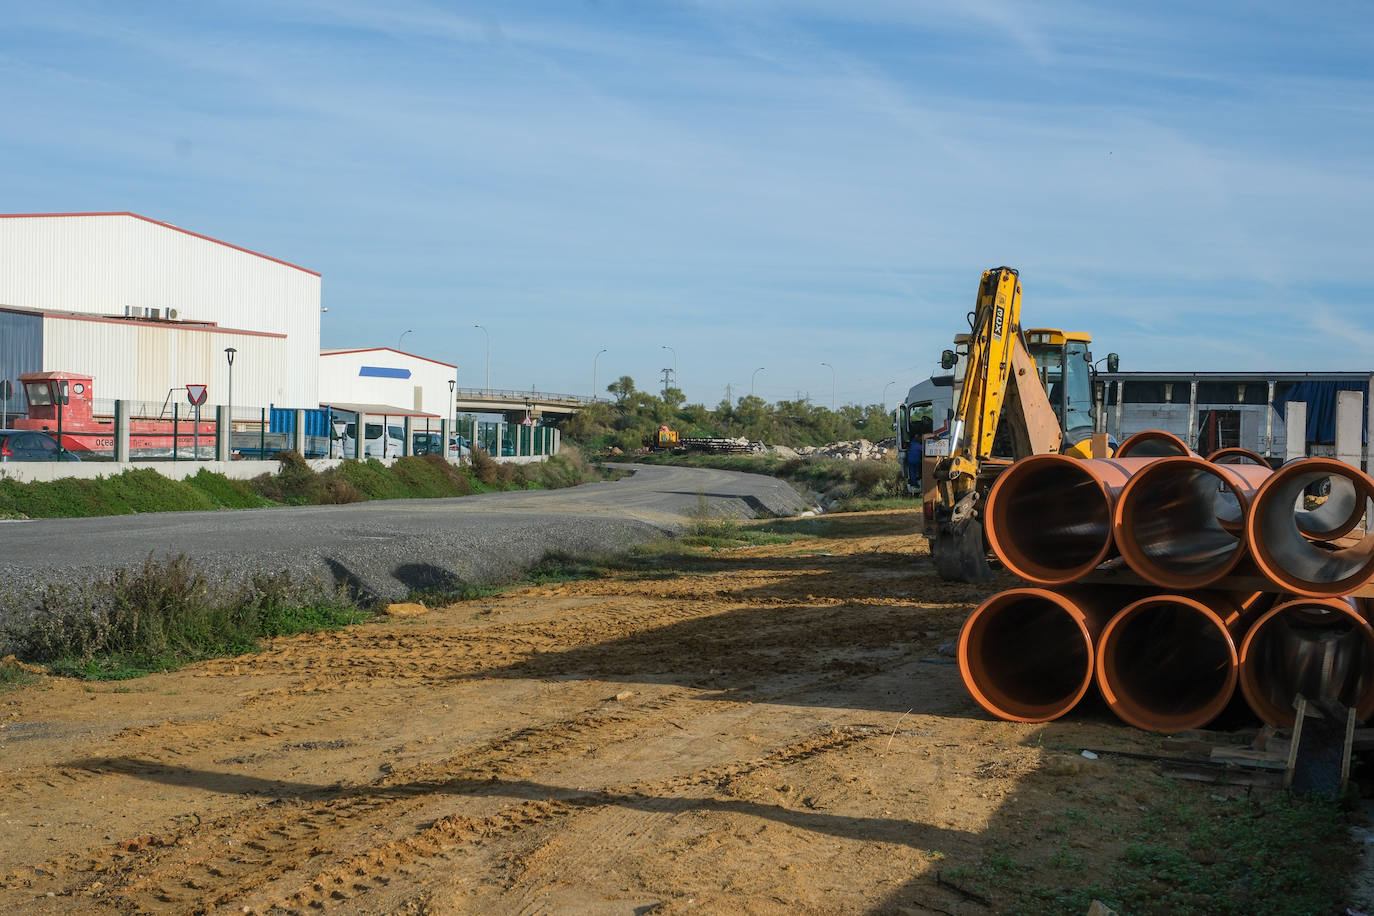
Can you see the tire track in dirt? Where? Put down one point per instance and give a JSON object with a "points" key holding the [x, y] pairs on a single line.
{"points": [[218, 861], [726, 640], [362, 873]]}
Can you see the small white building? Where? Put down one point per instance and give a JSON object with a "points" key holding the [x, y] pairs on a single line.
{"points": [[146, 308], [382, 376]]}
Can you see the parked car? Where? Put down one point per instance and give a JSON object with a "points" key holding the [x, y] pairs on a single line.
{"points": [[28, 445], [374, 446], [459, 448], [426, 444]]}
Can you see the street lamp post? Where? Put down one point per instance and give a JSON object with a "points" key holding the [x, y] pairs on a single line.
{"points": [[832, 384], [229, 407], [674, 352], [401, 338], [596, 390], [885, 387], [752, 377], [452, 402], [488, 336]]}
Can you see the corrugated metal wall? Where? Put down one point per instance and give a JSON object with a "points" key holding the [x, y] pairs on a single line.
{"points": [[102, 263], [21, 350], [143, 362]]}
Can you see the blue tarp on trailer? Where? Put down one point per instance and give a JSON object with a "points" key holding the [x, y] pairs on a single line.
{"points": [[1320, 397]]}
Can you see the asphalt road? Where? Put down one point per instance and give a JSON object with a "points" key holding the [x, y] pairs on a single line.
{"points": [[382, 549]]}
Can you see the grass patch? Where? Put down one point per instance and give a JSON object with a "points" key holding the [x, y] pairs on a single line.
{"points": [[722, 530], [1191, 852], [295, 483], [164, 615], [459, 591], [556, 566], [13, 674]]}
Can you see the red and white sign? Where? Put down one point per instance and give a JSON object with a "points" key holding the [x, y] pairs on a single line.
{"points": [[195, 394]]}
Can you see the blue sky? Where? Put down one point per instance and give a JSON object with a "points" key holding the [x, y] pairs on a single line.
{"points": [[753, 183]]}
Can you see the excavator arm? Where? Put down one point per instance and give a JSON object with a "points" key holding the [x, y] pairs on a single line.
{"points": [[1001, 386]]}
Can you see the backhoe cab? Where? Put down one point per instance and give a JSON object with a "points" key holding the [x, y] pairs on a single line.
{"points": [[1024, 393]]}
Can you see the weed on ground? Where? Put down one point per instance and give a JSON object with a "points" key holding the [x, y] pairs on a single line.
{"points": [[164, 615]]}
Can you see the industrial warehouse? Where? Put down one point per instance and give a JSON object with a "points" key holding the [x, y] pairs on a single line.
{"points": [[145, 308]]}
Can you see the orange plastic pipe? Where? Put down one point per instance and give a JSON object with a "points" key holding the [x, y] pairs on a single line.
{"points": [[1319, 647], [1236, 455], [1167, 663], [1180, 523], [1026, 654], [1049, 517], [1152, 443], [1285, 538]]}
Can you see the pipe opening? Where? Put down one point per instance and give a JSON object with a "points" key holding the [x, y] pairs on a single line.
{"points": [[1320, 651], [1026, 658], [1181, 524], [1281, 528], [1328, 507], [1055, 521], [1167, 664]]}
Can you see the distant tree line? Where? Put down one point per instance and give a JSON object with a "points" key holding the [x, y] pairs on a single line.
{"points": [[631, 415]]}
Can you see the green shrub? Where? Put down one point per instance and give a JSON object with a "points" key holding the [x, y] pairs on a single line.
{"points": [[484, 467]]}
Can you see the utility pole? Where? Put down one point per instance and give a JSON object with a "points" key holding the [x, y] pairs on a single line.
{"points": [[667, 374], [729, 393]]}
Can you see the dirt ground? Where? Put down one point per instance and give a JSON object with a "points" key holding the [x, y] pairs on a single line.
{"points": [[776, 733]]}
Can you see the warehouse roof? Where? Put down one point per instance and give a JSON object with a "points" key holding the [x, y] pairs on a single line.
{"points": [[155, 222]]}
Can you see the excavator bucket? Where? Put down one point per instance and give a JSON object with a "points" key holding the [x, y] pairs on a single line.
{"points": [[960, 554]]}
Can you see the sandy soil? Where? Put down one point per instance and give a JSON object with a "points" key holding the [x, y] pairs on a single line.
{"points": [[776, 734]]}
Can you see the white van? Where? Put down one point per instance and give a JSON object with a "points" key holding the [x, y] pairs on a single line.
{"points": [[374, 446]]}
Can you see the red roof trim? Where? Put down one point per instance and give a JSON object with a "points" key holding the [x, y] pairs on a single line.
{"points": [[392, 349], [143, 322], [258, 254]]}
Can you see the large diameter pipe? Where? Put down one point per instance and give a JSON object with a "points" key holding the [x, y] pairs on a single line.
{"points": [[1168, 663], [1280, 531], [1026, 654], [1049, 517], [1236, 455], [1322, 648], [1152, 443], [1179, 523]]}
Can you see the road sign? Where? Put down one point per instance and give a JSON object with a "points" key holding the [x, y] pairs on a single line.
{"points": [[195, 394]]}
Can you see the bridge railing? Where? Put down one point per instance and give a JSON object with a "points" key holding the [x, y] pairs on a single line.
{"points": [[506, 394]]}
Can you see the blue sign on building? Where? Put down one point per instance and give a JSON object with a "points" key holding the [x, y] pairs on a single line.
{"points": [[383, 372]]}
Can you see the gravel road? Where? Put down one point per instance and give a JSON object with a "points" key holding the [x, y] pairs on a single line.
{"points": [[386, 548]]}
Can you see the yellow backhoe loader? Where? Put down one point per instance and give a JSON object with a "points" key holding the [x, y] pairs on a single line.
{"points": [[1023, 393]]}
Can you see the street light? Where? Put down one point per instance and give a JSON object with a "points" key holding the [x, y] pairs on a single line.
{"points": [[594, 359], [885, 387], [674, 352], [752, 377], [229, 408], [832, 384], [401, 338], [488, 336]]}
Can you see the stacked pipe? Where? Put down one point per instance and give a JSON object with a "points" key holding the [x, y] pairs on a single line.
{"points": [[1243, 588]]}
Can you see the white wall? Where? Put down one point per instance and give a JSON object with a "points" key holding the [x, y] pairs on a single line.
{"points": [[138, 361], [100, 263], [424, 388]]}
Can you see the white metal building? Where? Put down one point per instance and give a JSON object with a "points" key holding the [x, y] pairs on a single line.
{"points": [[383, 376], [146, 308]]}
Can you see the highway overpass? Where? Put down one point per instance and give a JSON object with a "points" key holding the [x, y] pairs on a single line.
{"points": [[516, 405]]}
